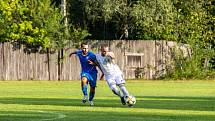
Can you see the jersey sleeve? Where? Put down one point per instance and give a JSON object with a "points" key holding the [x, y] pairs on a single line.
{"points": [[92, 57], [78, 52]]}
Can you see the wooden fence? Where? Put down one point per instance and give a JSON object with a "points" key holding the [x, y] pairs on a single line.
{"points": [[137, 59]]}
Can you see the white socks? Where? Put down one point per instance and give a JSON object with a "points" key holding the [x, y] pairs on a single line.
{"points": [[124, 90], [117, 92]]}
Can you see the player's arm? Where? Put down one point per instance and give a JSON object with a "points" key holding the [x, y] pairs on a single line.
{"points": [[96, 63], [112, 56], [72, 53], [93, 60], [102, 76]]}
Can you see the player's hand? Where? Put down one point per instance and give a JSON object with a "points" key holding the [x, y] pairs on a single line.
{"points": [[91, 62], [111, 55]]}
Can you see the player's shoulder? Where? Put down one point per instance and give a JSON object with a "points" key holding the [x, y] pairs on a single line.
{"points": [[98, 55], [90, 53], [78, 51]]}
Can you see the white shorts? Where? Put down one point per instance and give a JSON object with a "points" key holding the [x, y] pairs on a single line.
{"points": [[115, 79]]}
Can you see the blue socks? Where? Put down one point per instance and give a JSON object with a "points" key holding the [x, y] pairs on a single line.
{"points": [[91, 96], [84, 89]]}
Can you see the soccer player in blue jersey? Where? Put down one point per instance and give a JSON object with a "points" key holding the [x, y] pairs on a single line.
{"points": [[88, 72]]}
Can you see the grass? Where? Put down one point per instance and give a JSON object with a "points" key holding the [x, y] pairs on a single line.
{"points": [[61, 101]]}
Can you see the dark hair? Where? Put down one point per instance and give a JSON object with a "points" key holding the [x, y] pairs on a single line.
{"points": [[83, 43]]}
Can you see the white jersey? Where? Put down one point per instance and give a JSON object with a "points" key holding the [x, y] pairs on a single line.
{"points": [[108, 67]]}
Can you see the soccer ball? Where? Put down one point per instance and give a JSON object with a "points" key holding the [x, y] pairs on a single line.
{"points": [[130, 100]]}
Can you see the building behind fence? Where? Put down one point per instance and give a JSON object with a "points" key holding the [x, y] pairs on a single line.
{"points": [[137, 59]]}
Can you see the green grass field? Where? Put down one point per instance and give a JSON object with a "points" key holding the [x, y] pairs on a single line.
{"points": [[61, 101]]}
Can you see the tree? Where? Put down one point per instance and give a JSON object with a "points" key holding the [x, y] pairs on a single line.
{"points": [[194, 27], [36, 23], [112, 16]]}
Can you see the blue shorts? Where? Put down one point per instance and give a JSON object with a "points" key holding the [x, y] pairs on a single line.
{"points": [[91, 78]]}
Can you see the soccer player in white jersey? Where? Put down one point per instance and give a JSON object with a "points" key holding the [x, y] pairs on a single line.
{"points": [[111, 71]]}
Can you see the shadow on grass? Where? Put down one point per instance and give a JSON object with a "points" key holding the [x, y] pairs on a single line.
{"points": [[60, 102], [35, 115], [148, 102], [178, 103]]}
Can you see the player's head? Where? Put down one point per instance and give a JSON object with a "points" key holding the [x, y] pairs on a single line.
{"points": [[84, 48], [104, 50]]}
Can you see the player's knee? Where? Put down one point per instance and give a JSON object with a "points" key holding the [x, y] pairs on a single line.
{"points": [[84, 80], [121, 85], [92, 89], [112, 86]]}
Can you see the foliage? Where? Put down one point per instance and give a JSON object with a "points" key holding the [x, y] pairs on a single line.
{"points": [[188, 22], [155, 20], [40, 23], [20, 26], [108, 19], [35, 23], [78, 36], [195, 29]]}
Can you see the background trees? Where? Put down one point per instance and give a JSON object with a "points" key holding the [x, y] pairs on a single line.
{"points": [[35, 23], [41, 23]]}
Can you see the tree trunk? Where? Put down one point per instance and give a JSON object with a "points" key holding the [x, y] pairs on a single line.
{"points": [[64, 12]]}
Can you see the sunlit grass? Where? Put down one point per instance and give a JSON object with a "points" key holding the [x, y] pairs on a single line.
{"points": [[61, 101]]}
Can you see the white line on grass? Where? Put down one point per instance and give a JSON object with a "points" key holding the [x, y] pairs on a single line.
{"points": [[59, 115], [56, 115]]}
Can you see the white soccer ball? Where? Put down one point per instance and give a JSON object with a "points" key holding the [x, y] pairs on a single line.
{"points": [[130, 100]]}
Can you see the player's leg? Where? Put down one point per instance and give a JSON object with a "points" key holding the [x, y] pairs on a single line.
{"points": [[121, 83], [123, 89], [115, 90], [84, 82], [112, 84], [92, 94], [92, 81]]}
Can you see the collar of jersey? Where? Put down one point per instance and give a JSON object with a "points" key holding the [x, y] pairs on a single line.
{"points": [[83, 54]]}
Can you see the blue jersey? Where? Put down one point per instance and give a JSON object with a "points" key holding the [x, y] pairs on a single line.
{"points": [[86, 67]]}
